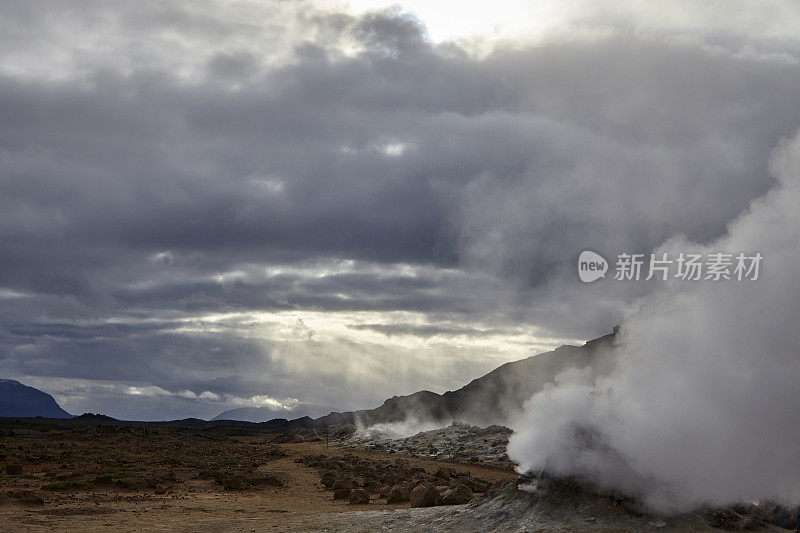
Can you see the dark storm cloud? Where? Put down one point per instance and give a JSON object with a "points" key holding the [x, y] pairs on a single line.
{"points": [[153, 161]]}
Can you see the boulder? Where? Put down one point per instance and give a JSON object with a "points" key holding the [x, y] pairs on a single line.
{"points": [[402, 473], [480, 486], [467, 481], [398, 494], [343, 483], [423, 495], [457, 496], [328, 478], [341, 494], [371, 486], [359, 496], [161, 489], [444, 473]]}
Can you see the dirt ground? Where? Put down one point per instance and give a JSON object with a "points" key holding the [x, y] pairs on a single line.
{"points": [[98, 479]]}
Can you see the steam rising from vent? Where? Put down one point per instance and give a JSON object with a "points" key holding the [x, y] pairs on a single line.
{"points": [[704, 403]]}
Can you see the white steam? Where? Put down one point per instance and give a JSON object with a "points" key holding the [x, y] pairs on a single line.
{"points": [[394, 431], [704, 404]]}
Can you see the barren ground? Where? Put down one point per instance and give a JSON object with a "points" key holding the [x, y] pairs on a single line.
{"points": [[101, 478]]}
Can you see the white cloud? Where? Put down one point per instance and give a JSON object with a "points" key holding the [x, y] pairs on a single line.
{"points": [[150, 390]]}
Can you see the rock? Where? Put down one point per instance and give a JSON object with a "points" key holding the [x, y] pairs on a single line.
{"points": [[328, 478], [444, 473], [171, 476], [457, 496], [398, 494], [724, 519], [341, 494], [102, 480], [778, 515], [13, 470], [343, 483], [402, 473], [161, 489], [423, 495], [359, 496]]}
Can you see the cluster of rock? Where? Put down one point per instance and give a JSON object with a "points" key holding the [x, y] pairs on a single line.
{"points": [[358, 480], [457, 442], [238, 479]]}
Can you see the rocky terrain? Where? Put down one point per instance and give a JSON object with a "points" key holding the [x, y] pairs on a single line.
{"points": [[559, 507], [360, 480], [457, 442], [98, 473], [93, 472]]}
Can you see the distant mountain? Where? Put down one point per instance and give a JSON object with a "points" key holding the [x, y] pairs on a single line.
{"points": [[18, 400], [262, 414], [91, 417]]}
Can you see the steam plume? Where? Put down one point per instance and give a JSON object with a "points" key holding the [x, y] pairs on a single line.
{"points": [[704, 403]]}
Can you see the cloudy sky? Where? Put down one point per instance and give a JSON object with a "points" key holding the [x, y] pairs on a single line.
{"points": [[215, 204]]}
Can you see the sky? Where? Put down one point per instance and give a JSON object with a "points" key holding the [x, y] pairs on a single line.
{"points": [[216, 204]]}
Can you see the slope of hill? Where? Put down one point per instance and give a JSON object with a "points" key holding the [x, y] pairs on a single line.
{"points": [[18, 400], [490, 399]]}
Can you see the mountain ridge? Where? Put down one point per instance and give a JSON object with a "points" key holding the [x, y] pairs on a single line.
{"points": [[19, 400], [492, 398], [264, 414]]}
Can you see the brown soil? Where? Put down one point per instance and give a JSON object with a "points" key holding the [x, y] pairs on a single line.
{"points": [[93, 479]]}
